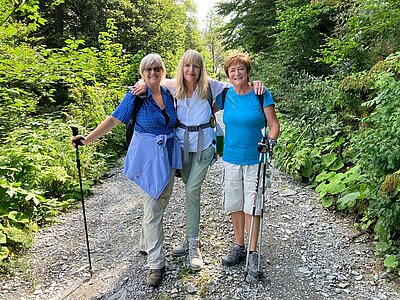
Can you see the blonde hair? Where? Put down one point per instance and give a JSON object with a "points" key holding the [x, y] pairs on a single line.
{"points": [[191, 57], [237, 58], [150, 59]]}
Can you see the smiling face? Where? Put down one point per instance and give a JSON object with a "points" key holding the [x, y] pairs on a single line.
{"points": [[191, 72], [237, 68], [152, 75], [238, 74], [152, 69]]}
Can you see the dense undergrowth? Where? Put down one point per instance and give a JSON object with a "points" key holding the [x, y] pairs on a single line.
{"points": [[341, 129], [44, 92]]}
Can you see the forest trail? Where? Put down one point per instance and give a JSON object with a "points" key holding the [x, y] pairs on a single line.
{"points": [[308, 253]]}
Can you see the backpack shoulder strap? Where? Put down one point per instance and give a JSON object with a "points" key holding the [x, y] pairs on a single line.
{"points": [[224, 96], [137, 104], [210, 96], [261, 101]]}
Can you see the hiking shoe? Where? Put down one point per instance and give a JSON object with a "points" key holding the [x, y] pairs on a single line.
{"points": [[235, 256], [181, 249], [154, 276], [195, 259], [253, 264]]}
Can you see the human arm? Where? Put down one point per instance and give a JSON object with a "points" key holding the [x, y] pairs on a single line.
{"points": [[140, 87], [272, 120], [109, 123], [218, 86], [218, 105]]}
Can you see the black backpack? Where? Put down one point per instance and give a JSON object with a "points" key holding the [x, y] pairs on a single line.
{"points": [[130, 126], [260, 100]]}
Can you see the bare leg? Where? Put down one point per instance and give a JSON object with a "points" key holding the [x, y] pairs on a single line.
{"points": [[238, 222], [256, 227]]}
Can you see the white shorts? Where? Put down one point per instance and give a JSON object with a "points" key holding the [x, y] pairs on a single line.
{"points": [[240, 188]]}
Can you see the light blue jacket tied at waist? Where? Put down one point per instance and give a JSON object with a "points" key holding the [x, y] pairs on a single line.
{"points": [[147, 163]]}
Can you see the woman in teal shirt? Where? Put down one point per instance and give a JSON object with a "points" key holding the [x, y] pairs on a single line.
{"points": [[243, 119]]}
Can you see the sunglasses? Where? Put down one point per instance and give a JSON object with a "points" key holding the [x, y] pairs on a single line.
{"points": [[155, 69]]}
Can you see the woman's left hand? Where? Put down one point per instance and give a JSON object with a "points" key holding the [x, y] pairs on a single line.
{"points": [[259, 87], [139, 88]]}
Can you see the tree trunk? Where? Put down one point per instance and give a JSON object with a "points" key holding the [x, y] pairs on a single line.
{"points": [[59, 19]]}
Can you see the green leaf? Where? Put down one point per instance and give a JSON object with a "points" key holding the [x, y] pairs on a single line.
{"points": [[382, 246], [4, 252], [18, 217], [338, 164], [34, 227], [33, 197], [328, 159], [348, 201], [3, 238], [327, 202], [390, 261], [17, 235]]}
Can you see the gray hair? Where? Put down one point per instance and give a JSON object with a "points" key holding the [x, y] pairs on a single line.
{"points": [[150, 59]]}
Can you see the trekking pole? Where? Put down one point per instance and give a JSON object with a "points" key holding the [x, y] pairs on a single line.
{"points": [[262, 149], [78, 164], [260, 239]]}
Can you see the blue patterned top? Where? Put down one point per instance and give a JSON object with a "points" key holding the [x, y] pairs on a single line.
{"points": [[149, 118]]}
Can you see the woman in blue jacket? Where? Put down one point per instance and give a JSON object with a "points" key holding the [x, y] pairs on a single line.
{"points": [[152, 157]]}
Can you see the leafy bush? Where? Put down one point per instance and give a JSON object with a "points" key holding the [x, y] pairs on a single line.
{"points": [[44, 92]]}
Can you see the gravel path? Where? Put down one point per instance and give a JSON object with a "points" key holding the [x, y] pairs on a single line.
{"points": [[308, 253]]}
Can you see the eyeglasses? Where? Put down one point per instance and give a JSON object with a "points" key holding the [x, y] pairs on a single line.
{"points": [[155, 69]]}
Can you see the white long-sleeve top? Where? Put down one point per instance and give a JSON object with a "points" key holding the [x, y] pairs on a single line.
{"points": [[195, 111]]}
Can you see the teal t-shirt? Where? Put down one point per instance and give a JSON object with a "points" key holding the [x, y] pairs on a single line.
{"points": [[243, 120]]}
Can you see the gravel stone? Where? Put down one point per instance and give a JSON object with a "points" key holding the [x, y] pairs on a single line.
{"points": [[308, 252]]}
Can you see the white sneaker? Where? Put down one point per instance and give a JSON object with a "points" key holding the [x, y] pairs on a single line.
{"points": [[181, 249], [195, 259]]}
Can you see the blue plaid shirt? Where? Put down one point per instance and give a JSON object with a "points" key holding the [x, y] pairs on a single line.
{"points": [[149, 118]]}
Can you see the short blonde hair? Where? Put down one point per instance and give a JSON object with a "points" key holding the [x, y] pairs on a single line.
{"points": [[237, 58], [150, 59], [191, 57]]}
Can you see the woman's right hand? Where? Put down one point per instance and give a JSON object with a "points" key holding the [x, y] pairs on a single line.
{"points": [[78, 140]]}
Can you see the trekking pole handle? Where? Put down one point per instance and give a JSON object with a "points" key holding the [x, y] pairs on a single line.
{"points": [[78, 142], [271, 144], [74, 130]]}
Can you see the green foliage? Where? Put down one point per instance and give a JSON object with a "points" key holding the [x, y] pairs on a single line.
{"points": [[301, 30], [216, 53], [42, 92], [251, 24], [340, 133], [366, 35]]}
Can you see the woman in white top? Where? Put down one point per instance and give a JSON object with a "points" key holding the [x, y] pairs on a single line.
{"points": [[192, 88]]}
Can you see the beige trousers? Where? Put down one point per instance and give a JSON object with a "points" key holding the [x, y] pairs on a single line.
{"points": [[152, 226]]}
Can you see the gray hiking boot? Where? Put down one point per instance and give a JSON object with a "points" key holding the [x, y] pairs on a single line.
{"points": [[155, 276], [181, 249], [253, 264], [195, 259], [235, 256]]}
